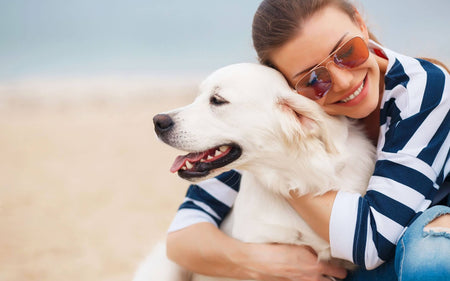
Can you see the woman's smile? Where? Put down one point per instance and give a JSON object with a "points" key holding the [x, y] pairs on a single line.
{"points": [[355, 90], [355, 95]]}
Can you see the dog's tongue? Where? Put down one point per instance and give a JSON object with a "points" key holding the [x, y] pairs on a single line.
{"points": [[181, 160]]}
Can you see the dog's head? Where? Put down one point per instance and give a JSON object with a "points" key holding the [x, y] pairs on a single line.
{"points": [[245, 114]]}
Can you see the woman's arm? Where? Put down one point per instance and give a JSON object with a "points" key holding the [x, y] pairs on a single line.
{"points": [[204, 249], [316, 211], [196, 243], [412, 163]]}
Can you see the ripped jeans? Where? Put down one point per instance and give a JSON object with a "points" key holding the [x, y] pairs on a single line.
{"points": [[420, 255]]}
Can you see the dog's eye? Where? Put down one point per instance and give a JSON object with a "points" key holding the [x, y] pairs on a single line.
{"points": [[217, 100]]}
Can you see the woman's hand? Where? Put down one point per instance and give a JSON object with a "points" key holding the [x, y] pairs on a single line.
{"points": [[204, 249], [280, 262]]}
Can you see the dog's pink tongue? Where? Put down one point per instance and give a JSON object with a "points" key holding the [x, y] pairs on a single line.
{"points": [[181, 160]]}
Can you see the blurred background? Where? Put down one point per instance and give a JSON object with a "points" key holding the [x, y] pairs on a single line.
{"points": [[85, 188]]}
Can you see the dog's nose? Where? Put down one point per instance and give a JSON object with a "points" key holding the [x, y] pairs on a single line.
{"points": [[163, 123]]}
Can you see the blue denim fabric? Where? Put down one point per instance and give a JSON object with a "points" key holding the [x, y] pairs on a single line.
{"points": [[423, 255], [419, 255]]}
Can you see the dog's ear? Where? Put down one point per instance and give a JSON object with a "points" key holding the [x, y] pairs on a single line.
{"points": [[303, 118]]}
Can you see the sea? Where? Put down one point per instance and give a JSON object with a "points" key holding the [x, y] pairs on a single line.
{"points": [[45, 42]]}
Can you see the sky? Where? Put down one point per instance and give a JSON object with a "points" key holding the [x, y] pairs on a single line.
{"points": [[57, 38]]}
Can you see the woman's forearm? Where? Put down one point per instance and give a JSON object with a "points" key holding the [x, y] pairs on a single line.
{"points": [[204, 249], [316, 211]]}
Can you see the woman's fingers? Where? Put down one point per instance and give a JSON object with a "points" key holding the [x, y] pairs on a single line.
{"points": [[280, 262], [333, 270], [327, 278]]}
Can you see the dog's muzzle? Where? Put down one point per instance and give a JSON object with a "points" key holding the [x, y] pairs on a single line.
{"points": [[163, 124], [196, 164]]}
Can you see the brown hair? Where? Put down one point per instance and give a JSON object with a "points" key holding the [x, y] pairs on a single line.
{"points": [[278, 21], [435, 61]]}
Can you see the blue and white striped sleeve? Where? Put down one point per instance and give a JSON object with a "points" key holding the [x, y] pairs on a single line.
{"points": [[413, 161], [208, 201]]}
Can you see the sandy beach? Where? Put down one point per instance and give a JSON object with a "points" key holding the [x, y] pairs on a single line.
{"points": [[85, 187]]}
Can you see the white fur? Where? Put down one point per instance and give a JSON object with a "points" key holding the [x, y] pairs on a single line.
{"points": [[289, 144], [158, 267]]}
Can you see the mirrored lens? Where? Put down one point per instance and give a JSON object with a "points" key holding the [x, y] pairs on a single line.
{"points": [[352, 54], [316, 84]]}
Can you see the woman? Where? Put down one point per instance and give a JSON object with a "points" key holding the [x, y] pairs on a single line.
{"points": [[325, 51]]}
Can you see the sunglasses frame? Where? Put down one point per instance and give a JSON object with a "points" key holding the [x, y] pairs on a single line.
{"points": [[331, 56]]}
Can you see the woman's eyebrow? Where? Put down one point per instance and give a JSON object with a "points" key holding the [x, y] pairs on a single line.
{"points": [[309, 68]]}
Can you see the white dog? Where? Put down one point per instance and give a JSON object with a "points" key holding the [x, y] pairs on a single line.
{"points": [[248, 118]]}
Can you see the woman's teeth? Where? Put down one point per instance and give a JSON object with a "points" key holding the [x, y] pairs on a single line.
{"points": [[354, 95]]}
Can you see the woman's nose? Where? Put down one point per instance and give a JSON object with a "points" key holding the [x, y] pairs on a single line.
{"points": [[341, 77]]}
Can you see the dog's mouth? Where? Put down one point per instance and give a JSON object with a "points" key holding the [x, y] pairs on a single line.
{"points": [[200, 164]]}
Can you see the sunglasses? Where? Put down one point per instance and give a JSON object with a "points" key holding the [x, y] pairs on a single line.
{"points": [[317, 82]]}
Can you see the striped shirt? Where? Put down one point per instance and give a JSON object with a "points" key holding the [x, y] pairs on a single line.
{"points": [[208, 201], [412, 162]]}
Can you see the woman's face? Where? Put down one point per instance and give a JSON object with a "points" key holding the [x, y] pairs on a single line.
{"points": [[320, 35]]}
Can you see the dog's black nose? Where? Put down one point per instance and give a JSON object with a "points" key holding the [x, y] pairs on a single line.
{"points": [[163, 123]]}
